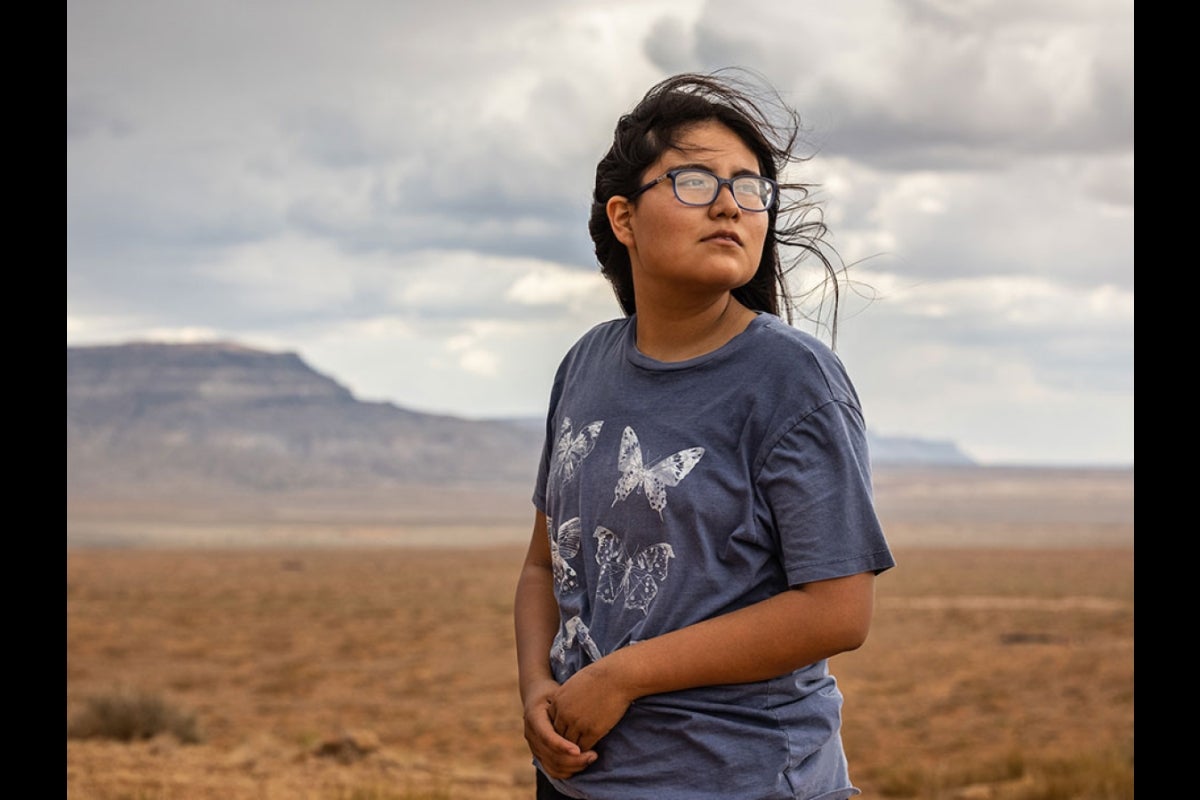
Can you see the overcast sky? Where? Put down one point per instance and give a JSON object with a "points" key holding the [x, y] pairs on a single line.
{"points": [[398, 192]]}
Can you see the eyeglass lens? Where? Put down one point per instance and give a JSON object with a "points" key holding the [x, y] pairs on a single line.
{"points": [[698, 188]]}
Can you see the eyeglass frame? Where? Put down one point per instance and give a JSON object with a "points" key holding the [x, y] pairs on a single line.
{"points": [[721, 182]]}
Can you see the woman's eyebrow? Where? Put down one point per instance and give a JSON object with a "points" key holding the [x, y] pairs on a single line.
{"points": [[708, 168]]}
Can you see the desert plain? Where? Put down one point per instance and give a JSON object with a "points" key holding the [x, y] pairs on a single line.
{"points": [[344, 647]]}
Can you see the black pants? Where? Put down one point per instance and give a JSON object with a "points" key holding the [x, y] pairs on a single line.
{"points": [[546, 790]]}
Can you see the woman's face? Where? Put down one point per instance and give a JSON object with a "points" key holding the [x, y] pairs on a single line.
{"points": [[682, 253]]}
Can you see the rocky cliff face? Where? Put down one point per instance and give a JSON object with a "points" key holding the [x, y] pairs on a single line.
{"points": [[154, 417], [168, 420]]}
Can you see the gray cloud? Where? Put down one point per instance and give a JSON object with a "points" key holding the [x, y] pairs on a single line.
{"points": [[401, 188], [906, 84]]}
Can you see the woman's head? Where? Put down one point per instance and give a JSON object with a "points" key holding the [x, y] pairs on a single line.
{"points": [[658, 123]]}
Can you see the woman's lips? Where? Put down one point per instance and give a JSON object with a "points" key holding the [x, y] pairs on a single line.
{"points": [[724, 236]]}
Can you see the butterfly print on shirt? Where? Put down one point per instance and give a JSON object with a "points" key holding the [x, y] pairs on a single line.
{"points": [[563, 545], [572, 448], [635, 577], [653, 479]]}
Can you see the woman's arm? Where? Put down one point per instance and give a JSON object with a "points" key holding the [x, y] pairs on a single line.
{"points": [[773, 637], [535, 617]]}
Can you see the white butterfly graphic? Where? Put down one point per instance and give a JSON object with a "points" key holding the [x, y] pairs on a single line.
{"points": [[654, 479], [563, 545], [571, 449], [637, 577], [575, 631]]}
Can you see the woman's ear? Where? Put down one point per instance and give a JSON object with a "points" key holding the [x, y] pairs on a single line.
{"points": [[620, 210]]}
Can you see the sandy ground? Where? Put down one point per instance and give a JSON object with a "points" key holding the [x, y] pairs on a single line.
{"points": [[1000, 663]]}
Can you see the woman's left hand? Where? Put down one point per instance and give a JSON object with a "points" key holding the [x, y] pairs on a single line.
{"points": [[588, 706]]}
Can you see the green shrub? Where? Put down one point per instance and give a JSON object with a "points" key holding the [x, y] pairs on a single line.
{"points": [[128, 715]]}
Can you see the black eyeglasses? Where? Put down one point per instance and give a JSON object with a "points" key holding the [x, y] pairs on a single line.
{"points": [[699, 187]]}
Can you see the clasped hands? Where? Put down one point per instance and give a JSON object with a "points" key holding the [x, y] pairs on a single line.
{"points": [[564, 723]]}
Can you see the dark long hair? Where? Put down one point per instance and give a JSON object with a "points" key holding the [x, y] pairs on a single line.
{"points": [[656, 124]]}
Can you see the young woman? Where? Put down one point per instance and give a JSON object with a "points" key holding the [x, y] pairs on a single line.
{"points": [[705, 537]]}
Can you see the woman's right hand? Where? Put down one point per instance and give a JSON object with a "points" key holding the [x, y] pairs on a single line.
{"points": [[560, 758]]}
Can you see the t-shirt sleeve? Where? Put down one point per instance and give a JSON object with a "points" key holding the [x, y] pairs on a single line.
{"points": [[539, 488], [816, 483], [548, 442]]}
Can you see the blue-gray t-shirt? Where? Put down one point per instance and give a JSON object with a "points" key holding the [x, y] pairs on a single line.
{"points": [[675, 492]]}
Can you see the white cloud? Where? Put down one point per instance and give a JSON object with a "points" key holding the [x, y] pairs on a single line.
{"points": [[472, 351], [551, 285], [1038, 216], [1007, 301], [291, 274]]}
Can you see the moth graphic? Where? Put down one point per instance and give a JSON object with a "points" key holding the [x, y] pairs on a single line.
{"points": [[563, 545], [635, 577], [571, 449], [654, 479], [574, 630]]}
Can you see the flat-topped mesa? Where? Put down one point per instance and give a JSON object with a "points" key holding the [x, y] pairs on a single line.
{"points": [[141, 416], [211, 371]]}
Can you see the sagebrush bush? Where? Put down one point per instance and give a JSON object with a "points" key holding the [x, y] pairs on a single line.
{"points": [[129, 715]]}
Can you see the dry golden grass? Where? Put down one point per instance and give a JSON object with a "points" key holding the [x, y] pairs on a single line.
{"points": [[388, 673]]}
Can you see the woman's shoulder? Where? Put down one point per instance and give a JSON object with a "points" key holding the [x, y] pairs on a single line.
{"points": [[608, 327], [602, 336], [782, 339], [602, 332], [787, 335], [797, 356]]}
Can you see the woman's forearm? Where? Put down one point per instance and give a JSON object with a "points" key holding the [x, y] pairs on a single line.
{"points": [[535, 611], [770, 638], [536, 623]]}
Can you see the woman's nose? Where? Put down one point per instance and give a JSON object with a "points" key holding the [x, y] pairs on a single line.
{"points": [[724, 204]]}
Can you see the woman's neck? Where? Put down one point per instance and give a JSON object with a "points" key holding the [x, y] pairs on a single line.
{"points": [[679, 333]]}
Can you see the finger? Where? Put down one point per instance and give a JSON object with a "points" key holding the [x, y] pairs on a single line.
{"points": [[567, 732], [545, 734], [569, 762], [565, 767], [572, 733]]}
